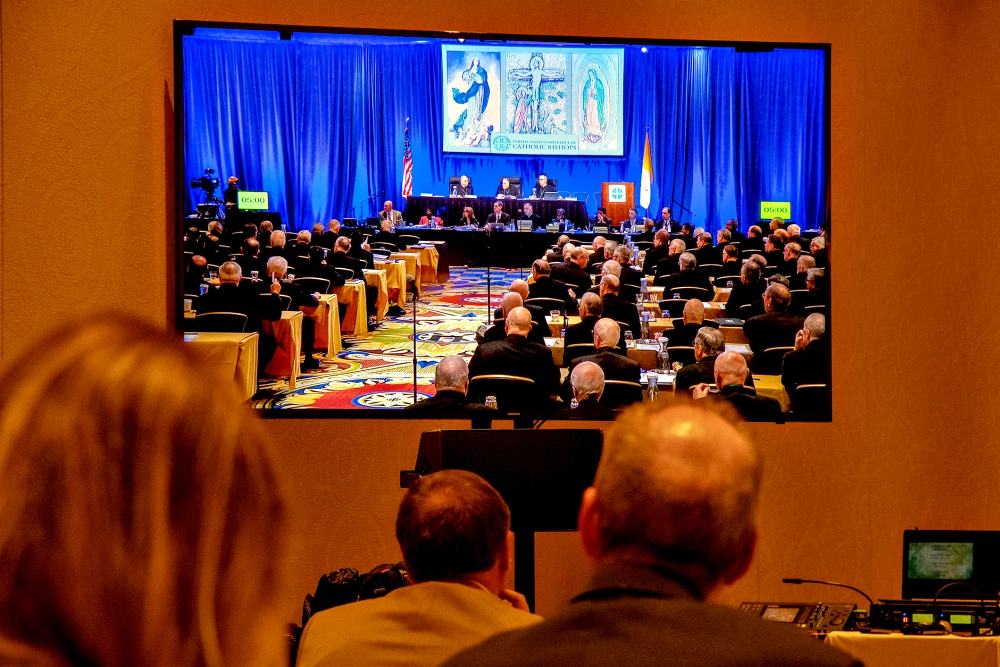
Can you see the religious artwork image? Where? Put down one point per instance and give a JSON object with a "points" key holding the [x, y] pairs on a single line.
{"points": [[596, 91], [472, 98], [536, 99]]}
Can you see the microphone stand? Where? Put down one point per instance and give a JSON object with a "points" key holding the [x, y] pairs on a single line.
{"points": [[414, 343], [354, 209], [679, 205], [489, 284]]}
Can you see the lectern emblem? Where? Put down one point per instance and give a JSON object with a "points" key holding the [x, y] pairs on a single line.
{"points": [[616, 193], [501, 143]]}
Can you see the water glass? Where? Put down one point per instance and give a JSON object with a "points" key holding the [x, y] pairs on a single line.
{"points": [[254, 274], [203, 288], [628, 336]]}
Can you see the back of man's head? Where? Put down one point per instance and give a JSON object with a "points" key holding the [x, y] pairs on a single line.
{"points": [[687, 262], [587, 380], [610, 284], [250, 247], [711, 341], [304, 236], [751, 271], [266, 226], [541, 267], [580, 256], [623, 255], [342, 244], [804, 263], [817, 277], [519, 286], [278, 239], [230, 272], [277, 266], [677, 485], [511, 300], [318, 228], [316, 254], [611, 268], [451, 374], [661, 237], [816, 324], [731, 251], [518, 321], [694, 312], [607, 333], [451, 523], [592, 304], [779, 296], [677, 247]]}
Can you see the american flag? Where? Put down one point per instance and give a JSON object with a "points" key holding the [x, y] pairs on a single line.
{"points": [[407, 162]]}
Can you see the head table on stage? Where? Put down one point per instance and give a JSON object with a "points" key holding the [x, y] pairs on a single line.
{"points": [[545, 209]]}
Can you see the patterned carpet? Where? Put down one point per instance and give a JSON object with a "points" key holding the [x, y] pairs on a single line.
{"points": [[376, 371]]}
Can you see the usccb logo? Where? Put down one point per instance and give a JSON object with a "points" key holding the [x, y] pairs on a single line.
{"points": [[616, 193], [501, 143]]}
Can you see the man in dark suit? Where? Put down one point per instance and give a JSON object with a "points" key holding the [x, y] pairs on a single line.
{"points": [[341, 258], [277, 248], [597, 257], [249, 259], [790, 257], [648, 233], [731, 264], [387, 234], [556, 254], [693, 320], [330, 236], [359, 249], [705, 252], [317, 268], [277, 268], [734, 229], [776, 327], [774, 250], [798, 280], [754, 240], [194, 274], [573, 271], [498, 331], [722, 239], [670, 264], [709, 343], [687, 235], [629, 274], [615, 309], [808, 363], [516, 355], [817, 247], [601, 219], [229, 297], [544, 287], [507, 191], [667, 222], [538, 313], [583, 331], [587, 384], [660, 554], [660, 251], [749, 289], [463, 187], [451, 384], [688, 276], [616, 366], [542, 187], [730, 377], [528, 213], [497, 219]]}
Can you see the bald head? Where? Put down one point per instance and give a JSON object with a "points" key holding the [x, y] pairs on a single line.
{"points": [[519, 321], [587, 380], [451, 374], [730, 368], [610, 285], [607, 333], [677, 485], [815, 324], [694, 312], [611, 268], [590, 304], [519, 286], [804, 263], [777, 297], [511, 300]]}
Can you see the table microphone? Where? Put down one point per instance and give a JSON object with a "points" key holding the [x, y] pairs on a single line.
{"points": [[828, 583]]}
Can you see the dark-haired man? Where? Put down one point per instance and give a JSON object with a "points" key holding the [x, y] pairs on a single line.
{"points": [[454, 531]]}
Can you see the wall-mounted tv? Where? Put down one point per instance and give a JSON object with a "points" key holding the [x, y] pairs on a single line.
{"points": [[384, 200]]}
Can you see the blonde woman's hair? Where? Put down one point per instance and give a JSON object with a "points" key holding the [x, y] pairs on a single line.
{"points": [[141, 517]]}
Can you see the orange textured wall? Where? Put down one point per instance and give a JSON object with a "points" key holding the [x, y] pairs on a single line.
{"points": [[87, 168]]}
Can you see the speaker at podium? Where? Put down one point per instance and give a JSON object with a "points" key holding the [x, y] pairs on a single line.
{"points": [[617, 198]]}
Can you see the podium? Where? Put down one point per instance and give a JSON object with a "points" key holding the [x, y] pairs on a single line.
{"points": [[618, 198]]}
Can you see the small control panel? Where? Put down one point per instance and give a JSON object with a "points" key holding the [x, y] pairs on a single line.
{"points": [[813, 617]]}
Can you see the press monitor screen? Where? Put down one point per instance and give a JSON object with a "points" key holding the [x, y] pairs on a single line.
{"points": [[940, 560], [966, 561]]}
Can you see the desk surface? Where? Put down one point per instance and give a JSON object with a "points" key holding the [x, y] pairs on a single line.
{"points": [[898, 650]]}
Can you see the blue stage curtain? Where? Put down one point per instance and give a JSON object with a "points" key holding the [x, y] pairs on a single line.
{"points": [[318, 121]]}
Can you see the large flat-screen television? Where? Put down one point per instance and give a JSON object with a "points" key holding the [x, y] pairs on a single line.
{"points": [[451, 162]]}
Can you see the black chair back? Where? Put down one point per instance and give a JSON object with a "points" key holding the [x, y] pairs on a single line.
{"points": [[812, 400], [577, 350], [346, 274], [643, 245], [681, 353], [409, 239], [722, 280], [628, 293], [220, 322], [686, 293], [511, 391], [673, 307], [619, 393], [769, 361], [547, 304], [310, 285], [383, 245], [286, 301]]}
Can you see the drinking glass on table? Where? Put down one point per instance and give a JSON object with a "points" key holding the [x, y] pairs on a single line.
{"points": [[291, 276], [628, 336], [203, 288], [554, 314], [254, 274]]}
